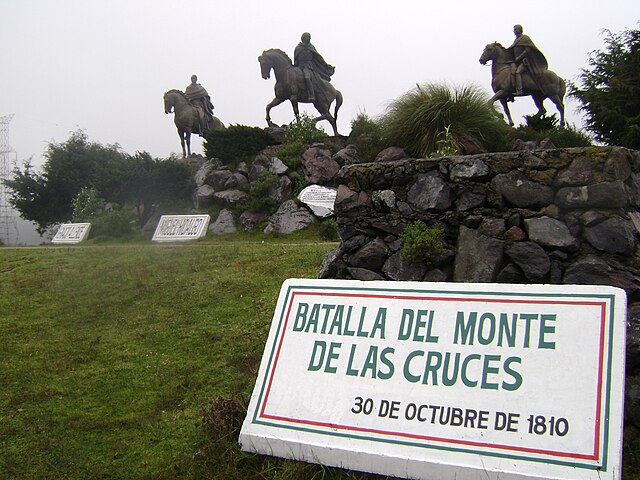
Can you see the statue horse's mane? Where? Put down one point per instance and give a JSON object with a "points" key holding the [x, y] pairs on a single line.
{"points": [[279, 52], [175, 90]]}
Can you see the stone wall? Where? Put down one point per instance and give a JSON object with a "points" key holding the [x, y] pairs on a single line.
{"points": [[543, 216]]}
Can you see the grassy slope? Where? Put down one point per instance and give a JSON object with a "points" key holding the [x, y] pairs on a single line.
{"points": [[111, 354], [108, 352]]}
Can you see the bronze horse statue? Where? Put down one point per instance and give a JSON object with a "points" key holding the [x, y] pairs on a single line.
{"points": [[185, 118], [545, 85], [290, 85]]}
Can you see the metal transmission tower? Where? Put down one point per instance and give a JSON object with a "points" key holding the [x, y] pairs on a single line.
{"points": [[8, 223]]}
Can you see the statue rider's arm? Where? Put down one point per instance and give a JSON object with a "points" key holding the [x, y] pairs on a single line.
{"points": [[523, 55]]}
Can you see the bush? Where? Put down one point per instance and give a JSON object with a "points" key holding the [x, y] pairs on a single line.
{"points": [[539, 128], [328, 230], [86, 205], [420, 242], [259, 197], [422, 119], [290, 154], [304, 131], [366, 135], [298, 136], [115, 224], [236, 143]]}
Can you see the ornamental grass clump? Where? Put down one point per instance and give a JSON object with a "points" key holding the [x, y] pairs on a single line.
{"points": [[434, 115]]}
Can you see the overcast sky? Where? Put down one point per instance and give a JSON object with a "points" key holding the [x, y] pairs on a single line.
{"points": [[103, 65]]}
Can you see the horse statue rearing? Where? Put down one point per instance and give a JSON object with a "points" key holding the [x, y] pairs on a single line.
{"points": [[185, 118], [545, 85], [290, 85]]}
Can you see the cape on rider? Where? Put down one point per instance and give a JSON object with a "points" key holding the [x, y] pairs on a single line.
{"points": [[313, 66]]}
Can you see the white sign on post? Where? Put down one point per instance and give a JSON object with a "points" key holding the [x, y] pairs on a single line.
{"points": [[71, 233], [172, 228], [444, 380]]}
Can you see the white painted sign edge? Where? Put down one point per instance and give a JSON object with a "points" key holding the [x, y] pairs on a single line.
{"points": [[306, 447], [202, 229], [85, 232]]}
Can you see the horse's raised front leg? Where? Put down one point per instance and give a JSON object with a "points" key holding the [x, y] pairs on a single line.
{"points": [[274, 103], [503, 96]]}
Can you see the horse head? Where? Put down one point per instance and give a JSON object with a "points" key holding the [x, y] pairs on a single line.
{"points": [[172, 98], [276, 59], [168, 103], [265, 66], [493, 51]]}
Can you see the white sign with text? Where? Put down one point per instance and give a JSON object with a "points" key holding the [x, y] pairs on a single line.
{"points": [[72, 233], [444, 380], [320, 199], [174, 228]]}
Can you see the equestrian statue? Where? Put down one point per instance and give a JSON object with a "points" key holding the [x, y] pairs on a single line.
{"points": [[522, 70], [193, 112], [305, 80]]}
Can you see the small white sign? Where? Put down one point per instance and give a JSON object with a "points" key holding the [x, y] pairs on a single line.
{"points": [[172, 228], [72, 233], [444, 380], [320, 199]]}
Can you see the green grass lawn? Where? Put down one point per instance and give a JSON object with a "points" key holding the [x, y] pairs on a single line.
{"points": [[135, 361], [110, 353]]}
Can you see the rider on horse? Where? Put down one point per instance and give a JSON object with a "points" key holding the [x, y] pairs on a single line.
{"points": [[201, 101], [313, 66], [527, 58]]}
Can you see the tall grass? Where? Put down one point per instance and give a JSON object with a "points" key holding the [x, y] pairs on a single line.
{"points": [[436, 115]]}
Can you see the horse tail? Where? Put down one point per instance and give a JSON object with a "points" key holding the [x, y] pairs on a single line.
{"points": [[338, 104]]}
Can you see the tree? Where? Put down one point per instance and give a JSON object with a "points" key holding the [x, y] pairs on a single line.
{"points": [[610, 90], [47, 198]]}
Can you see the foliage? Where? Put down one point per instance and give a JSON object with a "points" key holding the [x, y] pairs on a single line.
{"points": [[260, 196], [446, 144], [418, 119], [87, 204], [299, 183], [609, 90], [299, 134], [48, 198], [541, 123], [539, 128], [420, 242], [114, 224], [29, 197], [328, 230], [366, 135], [304, 131], [291, 153], [236, 143]]}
